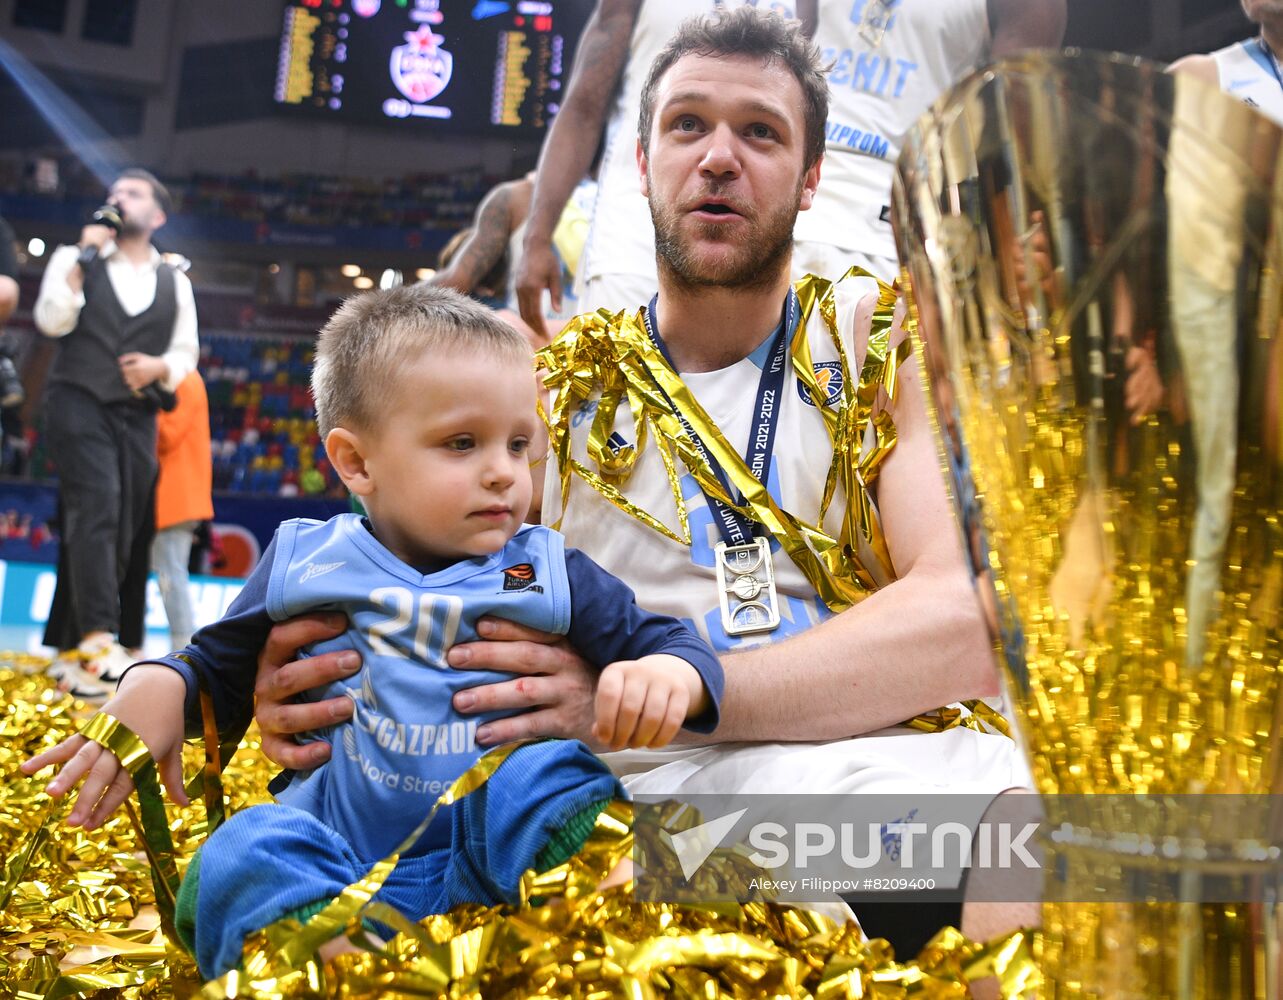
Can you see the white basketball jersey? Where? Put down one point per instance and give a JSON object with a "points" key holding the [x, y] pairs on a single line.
{"points": [[676, 579], [1249, 72], [622, 240], [890, 60]]}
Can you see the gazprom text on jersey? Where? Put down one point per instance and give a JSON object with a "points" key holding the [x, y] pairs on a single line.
{"points": [[870, 143]]}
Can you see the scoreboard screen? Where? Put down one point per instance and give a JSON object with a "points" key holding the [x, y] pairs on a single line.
{"points": [[481, 66]]}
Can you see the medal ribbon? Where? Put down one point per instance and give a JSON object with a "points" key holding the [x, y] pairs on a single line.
{"points": [[734, 528], [153, 828]]}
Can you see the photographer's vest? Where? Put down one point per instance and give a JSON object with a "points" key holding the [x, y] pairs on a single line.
{"points": [[88, 357]]}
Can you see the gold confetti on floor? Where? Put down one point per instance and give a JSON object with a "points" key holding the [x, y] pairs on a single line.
{"points": [[77, 918]]}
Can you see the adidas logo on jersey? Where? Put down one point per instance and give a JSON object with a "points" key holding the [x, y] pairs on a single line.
{"points": [[319, 569], [521, 577]]}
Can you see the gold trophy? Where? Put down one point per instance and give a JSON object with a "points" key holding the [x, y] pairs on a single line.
{"points": [[1094, 255]]}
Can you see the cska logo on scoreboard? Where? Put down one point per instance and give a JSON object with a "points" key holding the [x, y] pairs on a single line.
{"points": [[421, 69]]}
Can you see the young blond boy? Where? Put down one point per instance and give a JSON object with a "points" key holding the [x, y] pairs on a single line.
{"points": [[427, 406]]}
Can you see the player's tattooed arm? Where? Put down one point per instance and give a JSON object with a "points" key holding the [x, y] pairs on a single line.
{"points": [[485, 247]]}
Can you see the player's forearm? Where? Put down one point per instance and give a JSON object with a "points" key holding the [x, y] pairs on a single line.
{"points": [[575, 132], [454, 278], [565, 159], [482, 250], [914, 646]]}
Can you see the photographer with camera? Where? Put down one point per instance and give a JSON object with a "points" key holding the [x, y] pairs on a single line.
{"points": [[126, 323]]}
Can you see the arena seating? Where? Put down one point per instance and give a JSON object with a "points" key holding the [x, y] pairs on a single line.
{"points": [[262, 419], [419, 201]]}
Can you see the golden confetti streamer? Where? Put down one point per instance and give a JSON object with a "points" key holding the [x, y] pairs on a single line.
{"points": [[84, 899]]}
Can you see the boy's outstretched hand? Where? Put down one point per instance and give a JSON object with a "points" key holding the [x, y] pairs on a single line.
{"points": [[643, 703], [150, 702]]}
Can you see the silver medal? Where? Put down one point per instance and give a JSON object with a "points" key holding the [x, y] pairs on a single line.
{"points": [[746, 587]]}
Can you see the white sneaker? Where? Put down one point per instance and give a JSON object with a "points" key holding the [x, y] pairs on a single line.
{"points": [[107, 660], [71, 678]]}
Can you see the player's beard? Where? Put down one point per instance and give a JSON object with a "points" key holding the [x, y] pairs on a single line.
{"points": [[756, 257]]}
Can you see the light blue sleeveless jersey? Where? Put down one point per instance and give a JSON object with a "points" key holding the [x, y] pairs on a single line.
{"points": [[405, 743]]}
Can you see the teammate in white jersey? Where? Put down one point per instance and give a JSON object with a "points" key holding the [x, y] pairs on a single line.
{"points": [[890, 59], [618, 45], [731, 155], [1249, 70]]}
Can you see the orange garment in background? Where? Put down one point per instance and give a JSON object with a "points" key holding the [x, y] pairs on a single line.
{"points": [[186, 467]]}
